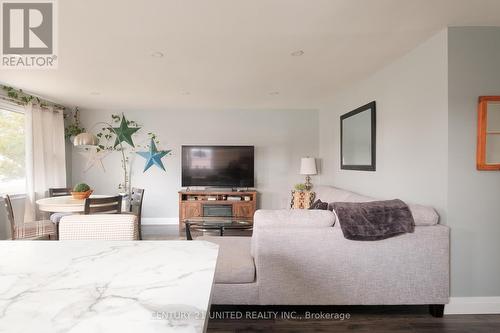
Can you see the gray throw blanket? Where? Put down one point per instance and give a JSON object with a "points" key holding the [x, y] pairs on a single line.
{"points": [[375, 220]]}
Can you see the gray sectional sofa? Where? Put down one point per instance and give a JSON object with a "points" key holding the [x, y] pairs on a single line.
{"points": [[300, 257]]}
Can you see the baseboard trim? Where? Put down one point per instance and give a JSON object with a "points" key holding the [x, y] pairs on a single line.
{"points": [[160, 221], [473, 305]]}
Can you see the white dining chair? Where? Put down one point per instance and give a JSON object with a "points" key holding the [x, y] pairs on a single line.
{"points": [[98, 227]]}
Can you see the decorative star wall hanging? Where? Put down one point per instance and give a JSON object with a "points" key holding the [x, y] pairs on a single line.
{"points": [[124, 133], [153, 156], [94, 158]]}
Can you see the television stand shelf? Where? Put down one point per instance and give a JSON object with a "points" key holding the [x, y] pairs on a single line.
{"points": [[216, 204]]}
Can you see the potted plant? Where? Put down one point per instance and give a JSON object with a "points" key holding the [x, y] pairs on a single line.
{"points": [[81, 191], [300, 187]]}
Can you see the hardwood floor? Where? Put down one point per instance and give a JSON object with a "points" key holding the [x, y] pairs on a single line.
{"points": [[393, 319], [373, 319], [161, 232]]}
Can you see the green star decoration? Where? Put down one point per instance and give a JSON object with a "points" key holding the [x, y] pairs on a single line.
{"points": [[153, 156], [124, 133]]}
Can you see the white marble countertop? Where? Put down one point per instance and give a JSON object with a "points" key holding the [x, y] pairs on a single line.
{"points": [[102, 286]]}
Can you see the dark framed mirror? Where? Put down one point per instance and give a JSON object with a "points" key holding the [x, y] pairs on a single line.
{"points": [[358, 138]]}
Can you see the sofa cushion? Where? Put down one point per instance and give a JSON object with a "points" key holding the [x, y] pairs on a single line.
{"points": [[423, 215], [234, 263]]}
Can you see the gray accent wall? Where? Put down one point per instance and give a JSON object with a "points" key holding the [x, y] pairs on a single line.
{"points": [[412, 121], [280, 137], [426, 145], [473, 196]]}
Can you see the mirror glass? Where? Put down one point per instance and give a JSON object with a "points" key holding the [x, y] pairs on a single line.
{"points": [[358, 139], [493, 133]]}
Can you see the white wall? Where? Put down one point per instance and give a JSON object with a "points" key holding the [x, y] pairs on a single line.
{"points": [[411, 96], [473, 196], [280, 137]]}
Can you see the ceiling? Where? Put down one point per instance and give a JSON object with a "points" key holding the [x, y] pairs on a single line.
{"points": [[232, 53]]}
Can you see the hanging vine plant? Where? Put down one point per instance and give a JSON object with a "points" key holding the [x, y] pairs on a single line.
{"points": [[74, 127], [23, 98], [20, 96]]}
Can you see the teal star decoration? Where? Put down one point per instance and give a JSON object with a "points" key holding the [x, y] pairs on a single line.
{"points": [[124, 133], [153, 156]]}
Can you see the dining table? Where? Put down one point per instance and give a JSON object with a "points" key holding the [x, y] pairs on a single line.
{"points": [[64, 204]]}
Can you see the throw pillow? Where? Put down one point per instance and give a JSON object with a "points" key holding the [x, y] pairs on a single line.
{"points": [[318, 204]]}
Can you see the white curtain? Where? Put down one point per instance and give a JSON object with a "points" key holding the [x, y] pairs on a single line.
{"points": [[45, 154]]}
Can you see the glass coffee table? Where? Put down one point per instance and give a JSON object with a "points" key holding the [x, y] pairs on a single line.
{"points": [[220, 224]]}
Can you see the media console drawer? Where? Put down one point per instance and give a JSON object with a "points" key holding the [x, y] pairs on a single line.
{"points": [[217, 204], [244, 209], [191, 209]]}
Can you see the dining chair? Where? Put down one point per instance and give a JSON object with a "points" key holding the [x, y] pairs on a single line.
{"points": [[98, 227], [136, 197], [59, 191], [110, 205], [28, 230]]}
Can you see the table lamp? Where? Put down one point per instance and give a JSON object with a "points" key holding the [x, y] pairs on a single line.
{"points": [[308, 168]]}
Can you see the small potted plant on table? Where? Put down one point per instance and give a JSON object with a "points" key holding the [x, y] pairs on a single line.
{"points": [[81, 191], [302, 197]]}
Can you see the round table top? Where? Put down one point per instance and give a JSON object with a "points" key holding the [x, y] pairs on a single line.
{"points": [[64, 204]]}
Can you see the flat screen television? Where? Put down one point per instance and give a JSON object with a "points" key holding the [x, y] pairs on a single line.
{"points": [[218, 166]]}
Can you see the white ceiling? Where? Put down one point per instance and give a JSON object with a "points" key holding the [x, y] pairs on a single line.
{"points": [[232, 53]]}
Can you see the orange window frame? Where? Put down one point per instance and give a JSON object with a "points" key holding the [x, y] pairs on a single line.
{"points": [[482, 125]]}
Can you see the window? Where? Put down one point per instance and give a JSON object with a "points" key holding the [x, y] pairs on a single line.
{"points": [[12, 158]]}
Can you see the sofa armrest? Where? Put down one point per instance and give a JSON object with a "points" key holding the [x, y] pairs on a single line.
{"points": [[265, 219]]}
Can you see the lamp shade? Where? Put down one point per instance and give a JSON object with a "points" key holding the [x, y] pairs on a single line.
{"points": [[308, 166], [85, 140]]}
